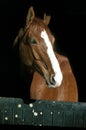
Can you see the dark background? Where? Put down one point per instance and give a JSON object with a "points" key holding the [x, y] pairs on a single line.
{"points": [[68, 23]]}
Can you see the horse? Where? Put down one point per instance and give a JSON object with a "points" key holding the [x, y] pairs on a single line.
{"points": [[53, 78]]}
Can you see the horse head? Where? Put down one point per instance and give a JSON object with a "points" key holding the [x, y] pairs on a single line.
{"points": [[36, 48]]}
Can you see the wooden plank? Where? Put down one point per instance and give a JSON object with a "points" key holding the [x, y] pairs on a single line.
{"points": [[13, 111]]}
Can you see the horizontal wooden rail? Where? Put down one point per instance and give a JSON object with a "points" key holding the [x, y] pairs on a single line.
{"points": [[13, 111]]}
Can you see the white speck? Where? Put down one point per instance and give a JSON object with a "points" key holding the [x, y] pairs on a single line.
{"points": [[5, 111], [16, 116], [53, 101], [58, 112], [33, 110], [19, 105], [30, 105], [41, 113], [6, 118], [22, 119], [35, 114], [51, 112], [39, 102], [40, 124]]}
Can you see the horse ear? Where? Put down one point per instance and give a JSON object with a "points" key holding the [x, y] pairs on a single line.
{"points": [[30, 15], [46, 19]]}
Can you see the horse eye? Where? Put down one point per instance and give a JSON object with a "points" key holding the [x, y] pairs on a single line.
{"points": [[33, 41], [30, 41]]}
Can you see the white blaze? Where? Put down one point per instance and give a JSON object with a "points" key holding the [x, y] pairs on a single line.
{"points": [[54, 62]]}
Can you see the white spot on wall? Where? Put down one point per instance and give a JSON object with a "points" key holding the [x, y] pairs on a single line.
{"points": [[6, 118], [54, 101], [51, 113], [33, 110], [16, 115], [30, 105], [58, 112], [40, 124], [35, 114], [41, 113], [19, 105]]}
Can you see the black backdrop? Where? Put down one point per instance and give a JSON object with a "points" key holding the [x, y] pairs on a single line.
{"points": [[68, 23]]}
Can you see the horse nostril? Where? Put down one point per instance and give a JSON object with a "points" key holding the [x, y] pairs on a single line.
{"points": [[52, 80]]}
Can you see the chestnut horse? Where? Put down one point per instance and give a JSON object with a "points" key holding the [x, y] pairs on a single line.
{"points": [[53, 78]]}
